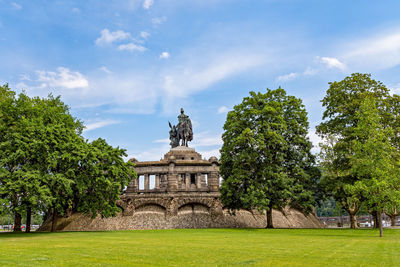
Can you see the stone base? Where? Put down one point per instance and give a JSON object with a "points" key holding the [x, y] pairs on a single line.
{"points": [[155, 211]]}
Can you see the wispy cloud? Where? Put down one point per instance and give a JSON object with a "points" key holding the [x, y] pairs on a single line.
{"points": [[105, 69], [99, 124], [132, 47], [194, 77], [164, 55], [333, 63], [377, 51], [63, 77], [205, 139], [222, 110], [144, 34], [76, 10], [158, 20], [163, 141], [147, 4], [108, 37], [310, 71], [286, 77], [16, 5]]}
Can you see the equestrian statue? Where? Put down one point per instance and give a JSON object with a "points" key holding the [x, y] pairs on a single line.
{"points": [[182, 133]]}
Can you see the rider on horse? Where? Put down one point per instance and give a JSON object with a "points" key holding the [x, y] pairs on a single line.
{"points": [[185, 131]]}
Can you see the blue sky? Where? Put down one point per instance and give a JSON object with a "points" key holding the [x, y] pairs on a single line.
{"points": [[127, 67]]}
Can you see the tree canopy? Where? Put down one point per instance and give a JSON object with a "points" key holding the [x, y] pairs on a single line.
{"points": [[266, 161], [361, 143], [46, 164]]}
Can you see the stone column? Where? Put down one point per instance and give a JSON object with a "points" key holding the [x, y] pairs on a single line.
{"points": [[172, 178], [213, 180], [146, 182], [198, 180], [203, 180], [135, 184], [157, 185], [187, 180]]}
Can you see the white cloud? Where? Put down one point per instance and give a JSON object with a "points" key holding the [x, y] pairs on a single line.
{"points": [[163, 141], [205, 139], [376, 51], [16, 6], [147, 4], [151, 154], [105, 69], [222, 110], [108, 37], [76, 10], [159, 20], [144, 35], [63, 77], [25, 77], [197, 76], [164, 55], [310, 71], [210, 153], [333, 63], [99, 124], [132, 47], [286, 77]]}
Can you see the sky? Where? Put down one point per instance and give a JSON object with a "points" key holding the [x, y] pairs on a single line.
{"points": [[125, 68]]}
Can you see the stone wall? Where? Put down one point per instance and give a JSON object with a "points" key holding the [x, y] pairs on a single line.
{"points": [[182, 212]]}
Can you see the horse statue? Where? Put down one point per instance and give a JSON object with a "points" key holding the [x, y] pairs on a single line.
{"points": [[173, 136], [182, 133], [185, 132]]}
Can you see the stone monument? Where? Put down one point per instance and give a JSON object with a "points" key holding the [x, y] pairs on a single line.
{"points": [[180, 191]]}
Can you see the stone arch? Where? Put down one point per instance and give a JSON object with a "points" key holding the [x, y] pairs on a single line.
{"points": [[194, 208], [150, 208], [199, 201], [151, 201]]}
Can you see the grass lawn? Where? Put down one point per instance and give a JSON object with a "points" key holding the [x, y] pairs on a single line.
{"points": [[203, 247]]}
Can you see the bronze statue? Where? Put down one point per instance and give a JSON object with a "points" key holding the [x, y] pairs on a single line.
{"points": [[183, 131], [173, 136]]}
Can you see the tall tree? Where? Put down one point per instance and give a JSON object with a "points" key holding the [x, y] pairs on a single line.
{"points": [[342, 101], [374, 160], [265, 158], [46, 164], [19, 182]]}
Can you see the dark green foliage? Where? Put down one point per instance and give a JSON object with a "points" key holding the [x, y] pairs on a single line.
{"points": [[265, 159], [45, 163]]}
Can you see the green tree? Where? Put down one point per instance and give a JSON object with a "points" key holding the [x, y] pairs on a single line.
{"points": [[46, 164], [374, 160], [20, 182], [103, 175], [342, 101], [265, 158]]}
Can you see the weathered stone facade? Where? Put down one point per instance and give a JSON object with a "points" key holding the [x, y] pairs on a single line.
{"points": [[180, 191]]}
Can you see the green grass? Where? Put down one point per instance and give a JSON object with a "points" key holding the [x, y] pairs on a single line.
{"points": [[203, 247]]}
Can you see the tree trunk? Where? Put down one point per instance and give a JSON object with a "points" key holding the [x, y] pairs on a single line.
{"points": [[376, 219], [17, 222], [54, 222], [28, 219], [269, 218], [353, 221], [380, 223], [393, 220]]}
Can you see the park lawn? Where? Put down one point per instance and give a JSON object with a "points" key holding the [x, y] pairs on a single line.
{"points": [[203, 247]]}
